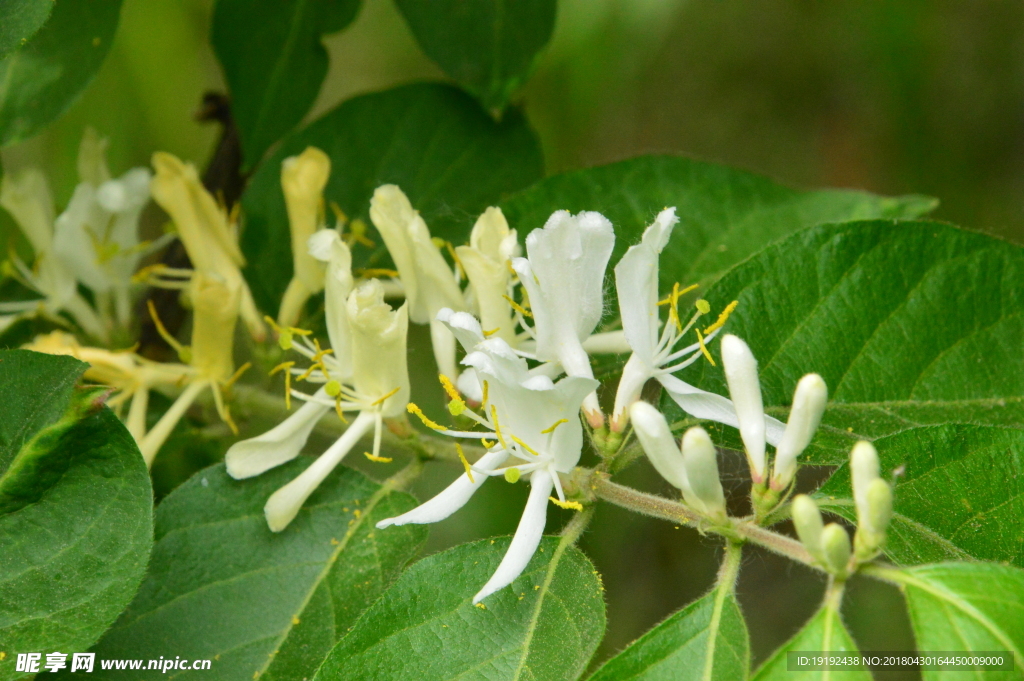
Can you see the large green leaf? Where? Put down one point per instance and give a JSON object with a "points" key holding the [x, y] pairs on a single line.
{"points": [[42, 78], [432, 140], [221, 586], [705, 641], [823, 633], [724, 214], [22, 18], [489, 47], [909, 323], [960, 495], [75, 509], [966, 607], [274, 62], [545, 626]]}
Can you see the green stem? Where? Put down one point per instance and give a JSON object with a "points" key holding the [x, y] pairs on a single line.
{"points": [[725, 586]]}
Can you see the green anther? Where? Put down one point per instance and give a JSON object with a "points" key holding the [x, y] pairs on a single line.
{"points": [[512, 475], [332, 388], [285, 339], [703, 306], [456, 407]]}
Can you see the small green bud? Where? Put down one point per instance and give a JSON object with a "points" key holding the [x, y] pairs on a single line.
{"points": [[879, 503], [809, 526], [835, 543]]}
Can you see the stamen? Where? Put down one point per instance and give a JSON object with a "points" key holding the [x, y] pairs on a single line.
{"points": [[377, 272], [377, 459], [512, 475], [332, 388], [551, 429], [455, 259], [184, 352], [317, 359], [487, 443], [285, 366], [483, 404], [357, 234], [456, 406], [568, 505], [339, 410], [704, 348], [488, 334], [383, 399], [497, 427], [703, 306], [340, 219], [285, 334], [237, 375], [525, 446], [413, 409], [465, 462], [517, 307], [722, 318]]}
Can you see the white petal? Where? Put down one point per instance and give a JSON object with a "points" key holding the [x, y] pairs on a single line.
{"points": [[745, 390], [656, 439], [808, 406], [463, 326], [634, 375], [284, 504], [527, 538], [469, 385], [709, 406], [452, 498], [276, 446]]}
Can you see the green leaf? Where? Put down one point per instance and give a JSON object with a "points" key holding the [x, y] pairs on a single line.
{"points": [[724, 214], [274, 62], [545, 626], [960, 496], [433, 141], [42, 78], [965, 607], [75, 509], [706, 641], [490, 47], [823, 633], [22, 18], [909, 323], [221, 586]]}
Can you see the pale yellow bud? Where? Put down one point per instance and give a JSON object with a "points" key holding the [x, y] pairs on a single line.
{"points": [[379, 347], [835, 543], [809, 526], [214, 314], [303, 179]]}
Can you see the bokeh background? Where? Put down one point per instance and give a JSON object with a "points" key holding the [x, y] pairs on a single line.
{"points": [[922, 97]]}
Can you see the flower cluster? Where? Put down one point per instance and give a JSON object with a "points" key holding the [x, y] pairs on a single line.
{"points": [[527, 325]]}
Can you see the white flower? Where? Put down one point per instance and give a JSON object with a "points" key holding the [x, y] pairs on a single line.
{"points": [[486, 260], [373, 380], [528, 418], [563, 275], [756, 428], [303, 179], [327, 246], [205, 230], [429, 283]]}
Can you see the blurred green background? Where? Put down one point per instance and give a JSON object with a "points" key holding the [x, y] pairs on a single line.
{"points": [[908, 97]]}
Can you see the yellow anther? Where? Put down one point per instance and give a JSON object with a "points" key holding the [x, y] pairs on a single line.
{"points": [[465, 462], [437, 241], [184, 352], [488, 334], [512, 475], [455, 258], [237, 375], [704, 348], [525, 446], [487, 443], [340, 219], [317, 359], [332, 388], [286, 368], [377, 459], [413, 409], [551, 428], [703, 306], [382, 399], [377, 272], [497, 426], [483, 404], [449, 388], [722, 318], [285, 334], [569, 505], [511, 270], [357, 234], [517, 307], [339, 410]]}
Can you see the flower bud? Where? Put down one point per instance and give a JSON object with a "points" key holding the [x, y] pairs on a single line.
{"points": [[864, 469], [808, 406], [485, 260], [379, 347], [303, 179], [700, 459], [835, 543], [809, 526], [873, 522], [215, 311], [655, 437], [745, 390]]}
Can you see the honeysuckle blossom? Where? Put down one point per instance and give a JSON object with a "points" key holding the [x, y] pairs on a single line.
{"points": [[525, 417], [428, 281], [26, 196], [303, 179], [205, 229], [563, 275], [215, 304], [692, 466], [756, 428], [378, 388], [492, 245]]}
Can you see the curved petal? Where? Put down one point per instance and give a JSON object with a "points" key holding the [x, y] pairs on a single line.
{"points": [[276, 446], [709, 406], [527, 538]]}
